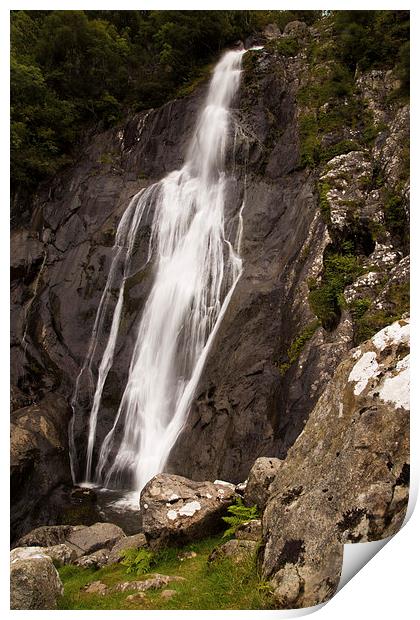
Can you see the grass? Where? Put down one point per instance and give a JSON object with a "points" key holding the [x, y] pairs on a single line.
{"points": [[221, 585]]}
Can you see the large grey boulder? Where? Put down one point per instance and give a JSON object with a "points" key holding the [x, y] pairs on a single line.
{"points": [[95, 537], [34, 580], [260, 478], [346, 478], [81, 540], [176, 510], [47, 536]]}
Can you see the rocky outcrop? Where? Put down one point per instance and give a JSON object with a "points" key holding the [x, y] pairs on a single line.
{"points": [[260, 478], [34, 580], [346, 477], [175, 510]]}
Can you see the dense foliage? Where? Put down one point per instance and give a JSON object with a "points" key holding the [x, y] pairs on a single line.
{"points": [[72, 70], [76, 70]]}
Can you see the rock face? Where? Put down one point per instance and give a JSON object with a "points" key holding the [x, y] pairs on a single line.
{"points": [[34, 581], [260, 478], [39, 461], [346, 477], [175, 510]]}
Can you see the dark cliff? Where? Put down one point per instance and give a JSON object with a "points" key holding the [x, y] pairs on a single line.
{"points": [[277, 346]]}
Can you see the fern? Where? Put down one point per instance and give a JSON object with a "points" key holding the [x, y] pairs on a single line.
{"points": [[137, 561], [238, 513]]}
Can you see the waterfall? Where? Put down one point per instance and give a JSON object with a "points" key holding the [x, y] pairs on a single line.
{"points": [[196, 269]]}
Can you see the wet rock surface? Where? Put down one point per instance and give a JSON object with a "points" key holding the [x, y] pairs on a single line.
{"points": [[346, 477], [175, 510]]}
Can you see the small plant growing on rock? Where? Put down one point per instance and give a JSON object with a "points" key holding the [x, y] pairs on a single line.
{"points": [[238, 513], [137, 561]]}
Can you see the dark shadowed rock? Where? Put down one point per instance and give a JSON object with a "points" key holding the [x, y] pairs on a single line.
{"points": [[346, 477], [260, 478], [175, 510], [39, 460], [34, 581]]}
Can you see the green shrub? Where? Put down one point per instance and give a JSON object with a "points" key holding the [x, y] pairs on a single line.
{"points": [[295, 349], [340, 270], [238, 513], [368, 322], [286, 46], [137, 561]]}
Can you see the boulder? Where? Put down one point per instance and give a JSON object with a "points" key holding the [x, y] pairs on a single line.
{"points": [[250, 530], [167, 594], [346, 478], [260, 478], [176, 510], [34, 580], [47, 536], [236, 550], [61, 554], [97, 559], [96, 587], [95, 537], [80, 540], [128, 542]]}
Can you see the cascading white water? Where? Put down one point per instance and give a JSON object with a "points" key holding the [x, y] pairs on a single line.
{"points": [[196, 271]]}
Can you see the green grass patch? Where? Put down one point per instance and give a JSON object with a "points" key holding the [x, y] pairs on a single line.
{"points": [[220, 585]]}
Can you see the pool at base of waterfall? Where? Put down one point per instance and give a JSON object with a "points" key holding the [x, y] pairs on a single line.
{"points": [[88, 504]]}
